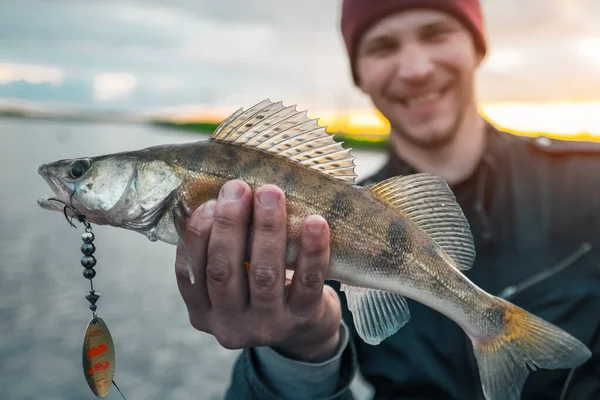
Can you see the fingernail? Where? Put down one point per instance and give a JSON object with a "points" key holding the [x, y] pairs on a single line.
{"points": [[209, 208], [231, 191], [268, 198], [315, 226]]}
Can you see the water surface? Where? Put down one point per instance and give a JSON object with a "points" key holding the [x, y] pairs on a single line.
{"points": [[43, 312]]}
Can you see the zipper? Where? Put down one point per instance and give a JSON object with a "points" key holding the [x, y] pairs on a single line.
{"points": [[512, 290]]}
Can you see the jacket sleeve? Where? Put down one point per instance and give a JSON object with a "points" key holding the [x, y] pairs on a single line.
{"points": [[263, 374]]}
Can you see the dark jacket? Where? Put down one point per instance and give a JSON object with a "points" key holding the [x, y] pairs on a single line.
{"points": [[533, 206]]}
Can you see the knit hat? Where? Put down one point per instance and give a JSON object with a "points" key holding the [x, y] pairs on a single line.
{"points": [[359, 15]]}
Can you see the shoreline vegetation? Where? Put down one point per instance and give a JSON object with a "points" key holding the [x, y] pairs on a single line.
{"points": [[354, 139], [366, 141]]}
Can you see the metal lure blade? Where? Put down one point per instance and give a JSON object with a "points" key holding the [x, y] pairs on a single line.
{"points": [[98, 357]]}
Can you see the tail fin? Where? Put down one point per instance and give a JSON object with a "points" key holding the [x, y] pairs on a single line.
{"points": [[527, 341]]}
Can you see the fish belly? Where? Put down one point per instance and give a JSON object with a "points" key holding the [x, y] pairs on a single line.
{"points": [[431, 281]]}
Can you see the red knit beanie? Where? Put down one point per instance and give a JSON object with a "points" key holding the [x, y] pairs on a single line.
{"points": [[359, 15]]}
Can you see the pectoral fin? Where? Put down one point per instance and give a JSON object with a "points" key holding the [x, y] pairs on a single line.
{"points": [[181, 214], [377, 314]]}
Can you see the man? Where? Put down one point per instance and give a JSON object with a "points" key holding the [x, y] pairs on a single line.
{"points": [[533, 207]]}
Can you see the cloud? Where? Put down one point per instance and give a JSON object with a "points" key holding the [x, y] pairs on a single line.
{"points": [[500, 60], [113, 86], [11, 72], [292, 15], [69, 93], [590, 47], [228, 52]]}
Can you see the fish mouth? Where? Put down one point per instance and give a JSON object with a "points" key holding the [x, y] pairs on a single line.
{"points": [[47, 205], [43, 171], [44, 201]]}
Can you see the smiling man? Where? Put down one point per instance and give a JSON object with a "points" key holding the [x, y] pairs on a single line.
{"points": [[418, 68], [533, 206]]}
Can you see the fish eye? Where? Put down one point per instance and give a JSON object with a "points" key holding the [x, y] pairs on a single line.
{"points": [[78, 168]]}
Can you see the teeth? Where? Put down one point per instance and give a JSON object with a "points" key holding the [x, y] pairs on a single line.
{"points": [[415, 101]]}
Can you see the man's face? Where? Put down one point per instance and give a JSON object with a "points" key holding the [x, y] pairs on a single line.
{"points": [[418, 67]]}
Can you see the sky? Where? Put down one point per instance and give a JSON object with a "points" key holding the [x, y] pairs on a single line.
{"points": [[188, 54]]}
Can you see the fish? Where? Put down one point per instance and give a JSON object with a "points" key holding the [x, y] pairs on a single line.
{"points": [[403, 237]]}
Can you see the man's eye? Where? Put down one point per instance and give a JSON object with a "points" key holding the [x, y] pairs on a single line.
{"points": [[437, 35], [379, 48]]}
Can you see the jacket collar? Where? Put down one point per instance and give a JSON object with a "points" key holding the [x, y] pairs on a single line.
{"points": [[495, 145]]}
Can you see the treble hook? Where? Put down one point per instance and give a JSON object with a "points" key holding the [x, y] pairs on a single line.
{"points": [[78, 214]]}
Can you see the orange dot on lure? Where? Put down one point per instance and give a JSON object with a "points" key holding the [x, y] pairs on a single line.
{"points": [[96, 351]]}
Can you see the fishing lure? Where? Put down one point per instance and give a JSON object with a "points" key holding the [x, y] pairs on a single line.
{"points": [[98, 353]]}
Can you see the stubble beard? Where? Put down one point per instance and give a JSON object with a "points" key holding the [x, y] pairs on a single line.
{"points": [[431, 143]]}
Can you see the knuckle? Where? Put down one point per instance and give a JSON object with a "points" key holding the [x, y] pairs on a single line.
{"points": [[179, 254], [230, 343], [231, 340], [197, 230], [270, 227], [265, 277], [198, 323], [315, 249], [226, 332], [181, 269], [311, 280], [217, 269], [226, 221]]}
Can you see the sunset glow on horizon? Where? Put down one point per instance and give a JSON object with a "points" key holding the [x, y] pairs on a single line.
{"points": [[569, 120], [565, 120]]}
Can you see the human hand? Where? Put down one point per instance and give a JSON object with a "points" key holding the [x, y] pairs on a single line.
{"points": [[255, 308]]}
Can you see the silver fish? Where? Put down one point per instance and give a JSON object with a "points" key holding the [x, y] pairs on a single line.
{"points": [[403, 237]]}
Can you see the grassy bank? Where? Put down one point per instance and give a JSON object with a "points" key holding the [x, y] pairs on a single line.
{"points": [[357, 141], [374, 141]]}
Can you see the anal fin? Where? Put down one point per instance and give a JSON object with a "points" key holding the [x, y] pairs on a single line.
{"points": [[377, 314]]}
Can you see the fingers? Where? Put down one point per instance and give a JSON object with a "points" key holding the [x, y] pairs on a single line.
{"points": [[226, 279], [267, 264], [313, 262], [249, 309], [196, 235]]}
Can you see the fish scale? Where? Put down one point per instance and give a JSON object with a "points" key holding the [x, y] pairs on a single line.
{"points": [[402, 237]]}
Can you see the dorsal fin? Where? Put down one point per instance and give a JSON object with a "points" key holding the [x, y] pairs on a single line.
{"points": [[289, 133], [427, 200]]}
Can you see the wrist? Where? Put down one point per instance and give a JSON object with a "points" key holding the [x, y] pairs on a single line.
{"points": [[314, 353]]}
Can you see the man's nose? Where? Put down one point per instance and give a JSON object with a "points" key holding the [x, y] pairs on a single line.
{"points": [[414, 63]]}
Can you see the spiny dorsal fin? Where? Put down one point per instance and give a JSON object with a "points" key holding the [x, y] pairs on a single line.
{"points": [[287, 132], [427, 200]]}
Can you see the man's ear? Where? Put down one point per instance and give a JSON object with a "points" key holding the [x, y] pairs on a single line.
{"points": [[357, 80], [361, 88], [479, 57]]}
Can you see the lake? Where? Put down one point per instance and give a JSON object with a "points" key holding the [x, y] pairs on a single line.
{"points": [[43, 311]]}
